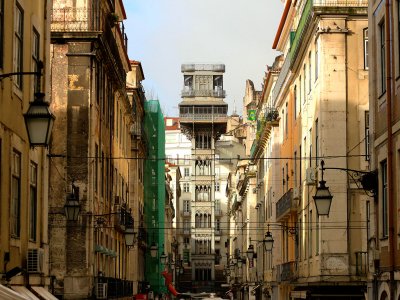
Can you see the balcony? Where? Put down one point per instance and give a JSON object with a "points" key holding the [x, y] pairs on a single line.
{"points": [[186, 213], [203, 117], [285, 205], [74, 20], [203, 67], [218, 232], [264, 127], [203, 93], [287, 271], [281, 78]]}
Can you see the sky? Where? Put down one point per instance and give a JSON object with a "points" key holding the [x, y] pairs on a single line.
{"points": [[163, 34]]}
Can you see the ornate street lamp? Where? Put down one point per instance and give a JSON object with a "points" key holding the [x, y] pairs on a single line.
{"points": [[250, 252], [153, 250], [72, 206], [163, 258], [39, 121], [268, 241], [130, 236], [323, 197]]}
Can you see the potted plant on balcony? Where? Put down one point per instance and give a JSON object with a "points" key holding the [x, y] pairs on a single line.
{"points": [[113, 18]]}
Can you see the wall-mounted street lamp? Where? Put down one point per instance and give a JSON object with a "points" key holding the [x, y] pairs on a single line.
{"points": [[268, 243], [72, 210], [39, 119], [323, 197], [153, 250], [72, 206]]}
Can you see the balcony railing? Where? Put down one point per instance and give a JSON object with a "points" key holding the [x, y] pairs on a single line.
{"points": [[281, 78], [285, 204], [203, 67], [349, 3], [203, 93], [288, 271], [74, 19], [203, 117], [117, 288]]}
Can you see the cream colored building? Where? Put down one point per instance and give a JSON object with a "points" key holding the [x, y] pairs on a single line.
{"points": [[382, 39], [24, 241], [138, 146], [317, 95]]}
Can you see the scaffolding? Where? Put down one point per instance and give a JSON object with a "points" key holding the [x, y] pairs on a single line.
{"points": [[154, 193]]}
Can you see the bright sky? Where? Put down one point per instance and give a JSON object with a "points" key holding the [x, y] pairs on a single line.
{"points": [[163, 34]]}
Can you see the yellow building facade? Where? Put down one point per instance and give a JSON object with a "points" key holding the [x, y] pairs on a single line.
{"points": [[24, 242]]}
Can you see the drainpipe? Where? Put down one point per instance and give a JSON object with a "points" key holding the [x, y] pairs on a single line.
{"points": [[389, 91]]}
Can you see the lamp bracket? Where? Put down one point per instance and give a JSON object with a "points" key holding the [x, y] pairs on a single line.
{"points": [[367, 179]]}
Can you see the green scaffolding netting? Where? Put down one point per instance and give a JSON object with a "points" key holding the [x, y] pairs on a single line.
{"points": [[154, 192]]}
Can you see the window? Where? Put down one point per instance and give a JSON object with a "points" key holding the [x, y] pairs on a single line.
{"points": [[33, 202], [16, 195], [286, 121], [304, 83], [385, 227], [217, 186], [300, 88], [186, 170], [217, 82], [18, 44], [310, 236], [186, 187], [295, 101], [36, 59], [365, 36], [316, 60], [1, 31], [217, 206], [383, 57], [186, 206], [367, 135], [316, 142], [309, 71], [187, 159], [295, 168], [188, 82]]}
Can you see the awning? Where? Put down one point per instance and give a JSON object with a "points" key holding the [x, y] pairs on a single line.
{"points": [[43, 293], [9, 294], [24, 291]]}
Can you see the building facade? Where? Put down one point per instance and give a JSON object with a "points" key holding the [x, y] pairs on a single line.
{"points": [[89, 151], [314, 108], [138, 151], [203, 117], [383, 63]]}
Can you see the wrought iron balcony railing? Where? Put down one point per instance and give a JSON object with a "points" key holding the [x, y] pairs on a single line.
{"points": [[203, 93]]}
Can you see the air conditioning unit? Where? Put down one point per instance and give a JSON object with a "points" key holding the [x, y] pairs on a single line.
{"points": [[35, 260], [296, 193], [101, 290], [311, 176]]}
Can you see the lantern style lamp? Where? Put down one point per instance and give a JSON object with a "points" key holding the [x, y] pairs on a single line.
{"points": [[153, 250], [250, 252], [323, 197], [129, 236], [39, 121], [163, 258], [72, 207], [268, 241]]}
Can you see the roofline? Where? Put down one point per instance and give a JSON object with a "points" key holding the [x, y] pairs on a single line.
{"points": [[282, 22], [123, 8], [135, 62]]}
